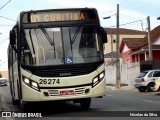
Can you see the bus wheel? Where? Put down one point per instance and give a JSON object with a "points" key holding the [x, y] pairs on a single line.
{"points": [[15, 102], [85, 103], [25, 106]]}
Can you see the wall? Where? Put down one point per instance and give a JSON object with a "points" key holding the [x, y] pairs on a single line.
{"points": [[127, 74], [156, 55], [108, 44], [126, 55]]}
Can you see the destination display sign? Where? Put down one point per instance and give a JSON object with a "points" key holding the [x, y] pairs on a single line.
{"points": [[59, 16]]}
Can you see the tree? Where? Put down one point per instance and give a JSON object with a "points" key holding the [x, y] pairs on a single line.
{"points": [[0, 75]]}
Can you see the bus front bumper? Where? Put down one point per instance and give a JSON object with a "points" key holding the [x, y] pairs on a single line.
{"points": [[31, 95]]}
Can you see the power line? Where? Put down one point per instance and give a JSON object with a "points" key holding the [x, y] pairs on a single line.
{"points": [[7, 18], [5, 4], [130, 22], [6, 25], [4, 40], [6, 22]]}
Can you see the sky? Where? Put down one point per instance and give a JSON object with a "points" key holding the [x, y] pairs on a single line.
{"points": [[130, 12]]}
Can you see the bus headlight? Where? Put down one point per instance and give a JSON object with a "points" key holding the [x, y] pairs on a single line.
{"points": [[101, 75], [98, 79], [95, 81], [26, 80], [31, 84], [34, 85]]}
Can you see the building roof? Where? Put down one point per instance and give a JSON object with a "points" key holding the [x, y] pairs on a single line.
{"points": [[155, 33], [145, 48], [154, 47], [125, 31], [132, 43], [135, 43], [114, 54], [139, 43]]}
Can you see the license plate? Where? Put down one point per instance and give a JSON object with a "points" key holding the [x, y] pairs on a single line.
{"points": [[67, 92]]}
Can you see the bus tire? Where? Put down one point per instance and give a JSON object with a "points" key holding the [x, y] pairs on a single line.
{"points": [[85, 103], [15, 102], [25, 106], [18, 89]]}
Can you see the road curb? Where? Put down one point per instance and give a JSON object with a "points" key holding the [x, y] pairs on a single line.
{"points": [[123, 88]]}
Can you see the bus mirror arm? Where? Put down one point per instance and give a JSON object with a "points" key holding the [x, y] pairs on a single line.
{"points": [[12, 37], [15, 49], [104, 35], [13, 40]]}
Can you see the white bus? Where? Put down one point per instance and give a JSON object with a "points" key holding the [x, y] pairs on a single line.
{"points": [[55, 55]]}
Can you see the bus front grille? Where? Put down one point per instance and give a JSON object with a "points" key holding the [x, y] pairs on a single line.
{"points": [[53, 92], [77, 91]]}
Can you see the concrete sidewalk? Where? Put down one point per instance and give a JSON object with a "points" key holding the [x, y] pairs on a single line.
{"points": [[123, 88]]}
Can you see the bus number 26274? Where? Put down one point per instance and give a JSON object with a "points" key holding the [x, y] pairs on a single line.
{"points": [[49, 81]]}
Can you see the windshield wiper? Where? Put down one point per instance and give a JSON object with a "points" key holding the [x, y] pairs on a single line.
{"points": [[48, 38], [75, 35], [46, 34]]}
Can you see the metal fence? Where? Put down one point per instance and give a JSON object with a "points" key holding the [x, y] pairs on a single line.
{"points": [[149, 65]]}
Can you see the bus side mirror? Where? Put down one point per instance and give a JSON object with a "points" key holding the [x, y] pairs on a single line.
{"points": [[104, 35], [12, 37]]}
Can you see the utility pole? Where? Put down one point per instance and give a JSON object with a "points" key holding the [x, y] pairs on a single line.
{"points": [[149, 38], [112, 47], [118, 82]]}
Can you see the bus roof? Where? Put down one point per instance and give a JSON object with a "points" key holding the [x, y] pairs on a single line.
{"points": [[59, 9]]}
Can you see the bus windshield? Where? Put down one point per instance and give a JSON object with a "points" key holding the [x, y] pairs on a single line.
{"points": [[61, 45]]}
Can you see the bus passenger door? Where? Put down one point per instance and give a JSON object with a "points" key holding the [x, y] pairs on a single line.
{"points": [[14, 65], [10, 70]]}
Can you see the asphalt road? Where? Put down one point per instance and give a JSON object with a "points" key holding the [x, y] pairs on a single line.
{"points": [[115, 105]]}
